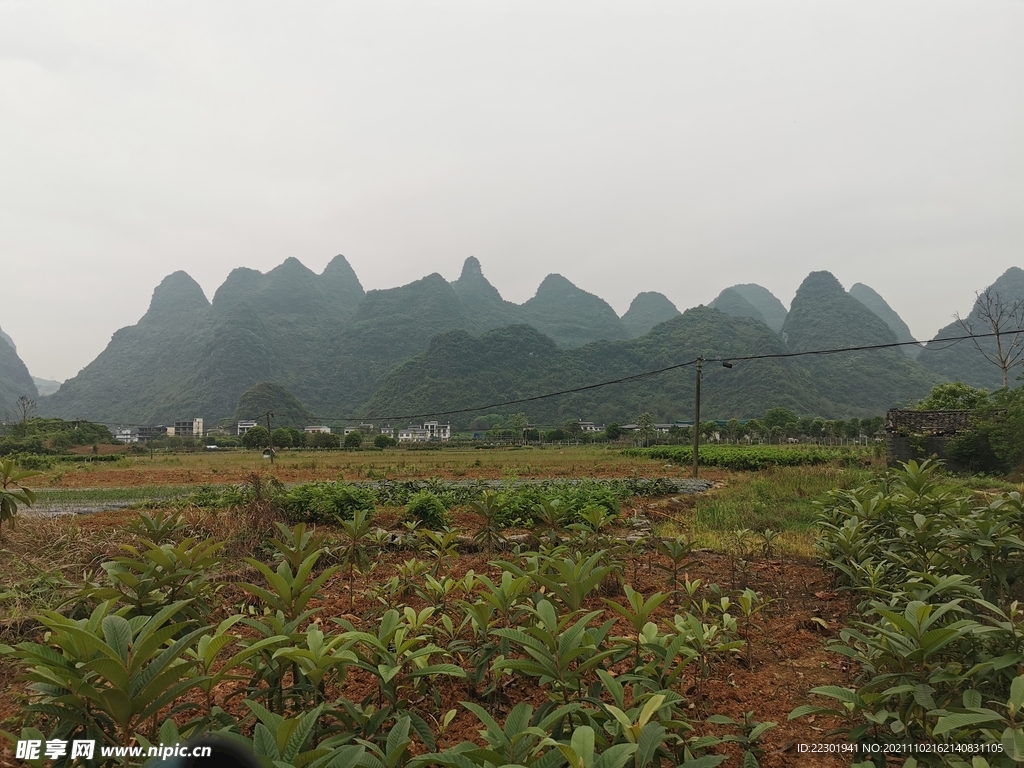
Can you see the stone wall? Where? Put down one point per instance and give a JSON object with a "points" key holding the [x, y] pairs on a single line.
{"points": [[902, 449]]}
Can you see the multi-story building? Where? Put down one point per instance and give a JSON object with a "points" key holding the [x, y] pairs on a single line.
{"points": [[245, 425], [429, 431], [316, 428], [189, 428], [145, 434], [126, 434]]}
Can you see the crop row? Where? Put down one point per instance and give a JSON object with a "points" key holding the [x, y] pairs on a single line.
{"points": [[939, 635], [752, 457], [152, 645], [321, 501]]}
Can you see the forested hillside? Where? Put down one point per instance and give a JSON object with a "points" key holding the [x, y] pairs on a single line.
{"points": [[15, 380], [646, 311], [871, 299], [768, 308], [459, 371], [433, 345], [320, 336], [824, 316], [963, 361]]}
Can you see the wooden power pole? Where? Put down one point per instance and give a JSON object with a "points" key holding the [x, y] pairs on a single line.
{"points": [[696, 419]]}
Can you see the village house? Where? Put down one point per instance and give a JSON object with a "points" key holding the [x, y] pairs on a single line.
{"points": [[427, 432], [126, 434], [188, 428], [245, 425]]}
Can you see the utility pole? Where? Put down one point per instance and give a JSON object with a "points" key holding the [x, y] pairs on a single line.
{"points": [[270, 439], [696, 419]]}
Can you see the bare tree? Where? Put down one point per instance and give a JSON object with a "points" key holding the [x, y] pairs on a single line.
{"points": [[1005, 319], [26, 407]]}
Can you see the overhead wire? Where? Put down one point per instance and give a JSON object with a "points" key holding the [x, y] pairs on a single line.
{"points": [[649, 374], [645, 375]]}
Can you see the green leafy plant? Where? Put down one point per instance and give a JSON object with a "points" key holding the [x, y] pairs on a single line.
{"points": [[12, 491], [561, 651], [490, 509], [427, 509], [105, 677]]}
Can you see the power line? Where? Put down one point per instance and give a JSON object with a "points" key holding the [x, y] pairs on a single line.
{"points": [[649, 374], [646, 375]]}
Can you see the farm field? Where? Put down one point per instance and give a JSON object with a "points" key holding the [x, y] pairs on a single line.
{"points": [[748, 542], [223, 467]]}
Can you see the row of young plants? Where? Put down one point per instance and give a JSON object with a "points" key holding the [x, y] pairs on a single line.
{"points": [[752, 457], [935, 579], [327, 501], [156, 649]]}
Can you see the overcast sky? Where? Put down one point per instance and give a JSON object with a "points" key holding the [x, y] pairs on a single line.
{"points": [[680, 147]]}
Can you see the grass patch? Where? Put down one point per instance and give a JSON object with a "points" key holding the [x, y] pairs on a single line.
{"points": [[50, 498], [779, 498]]}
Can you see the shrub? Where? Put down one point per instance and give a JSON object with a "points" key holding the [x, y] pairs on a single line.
{"points": [[318, 502], [428, 509]]}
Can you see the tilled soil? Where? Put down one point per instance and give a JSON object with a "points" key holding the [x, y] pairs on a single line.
{"points": [[787, 654]]}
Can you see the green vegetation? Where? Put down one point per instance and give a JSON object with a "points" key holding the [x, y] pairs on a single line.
{"points": [[963, 361], [954, 396], [516, 500], [428, 510], [752, 457], [647, 310], [13, 491], [51, 436], [782, 498], [881, 309], [15, 380], [754, 301], [517, 361], [267, 397], [995, 442], [320, 502], [143, 659], [935, 577], [419, 348]]}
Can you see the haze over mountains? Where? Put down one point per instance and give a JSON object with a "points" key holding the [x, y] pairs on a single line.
{"points": [[433, 345]]}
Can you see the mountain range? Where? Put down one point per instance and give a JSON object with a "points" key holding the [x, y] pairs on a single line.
{"points": [[434, 345]]}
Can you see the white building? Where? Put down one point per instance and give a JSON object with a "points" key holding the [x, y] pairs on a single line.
{"points": [[413, 434], [437, 431], [427, 432], [126, 434], [317, 428], [245, 425]]}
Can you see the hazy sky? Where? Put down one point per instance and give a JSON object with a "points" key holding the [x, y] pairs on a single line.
{"points": [[680, 147]]}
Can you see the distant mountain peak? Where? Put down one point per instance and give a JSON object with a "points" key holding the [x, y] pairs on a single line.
{"points": [[752, 300], [177, 293], [473, 281], [647, 310], [822, 283], [566, 312], [733, 303], [471, 268], [338, 269], [555, 284], [871, 299], [291, 267], [8, 339], [823, 315], [1008, 284]]}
